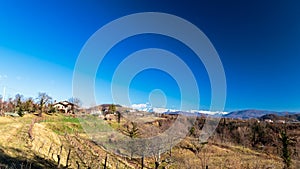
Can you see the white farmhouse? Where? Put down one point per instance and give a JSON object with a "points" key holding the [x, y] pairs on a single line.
{"points": [[65, 106]]}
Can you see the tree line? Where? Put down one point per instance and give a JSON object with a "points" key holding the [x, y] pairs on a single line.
{"points": [[43, 103]]}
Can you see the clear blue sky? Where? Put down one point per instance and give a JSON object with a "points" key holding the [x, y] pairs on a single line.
{"points": [[258, 43]]}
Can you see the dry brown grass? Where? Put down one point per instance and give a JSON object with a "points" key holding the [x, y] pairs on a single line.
{"points": [[53, 136], [222, 157], [49, 136]]}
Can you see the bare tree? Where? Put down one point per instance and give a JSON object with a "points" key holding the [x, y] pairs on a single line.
{"points": [[132, 132], [10, 105], [200, 150], [76, 102], [43, 101]]}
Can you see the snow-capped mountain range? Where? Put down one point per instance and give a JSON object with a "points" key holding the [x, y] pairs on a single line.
{"points": [[148, 108]]}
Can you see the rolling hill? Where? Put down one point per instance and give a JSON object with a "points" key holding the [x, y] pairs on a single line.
{"points": [[248, 114]]}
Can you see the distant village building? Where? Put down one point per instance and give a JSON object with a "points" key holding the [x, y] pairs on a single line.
{"points": [[268, 120], [109, 116], [130, 111], [65, 107], [280, 121]]}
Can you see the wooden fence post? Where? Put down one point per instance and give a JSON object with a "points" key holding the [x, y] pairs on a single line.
{"points": [[105, 163], [143, 162], [58, 161], [68, 157]]}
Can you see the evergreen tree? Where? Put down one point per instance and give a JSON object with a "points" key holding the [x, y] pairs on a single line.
{"points": [[286, 156]]}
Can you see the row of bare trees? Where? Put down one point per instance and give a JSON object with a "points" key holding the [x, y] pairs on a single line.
{"points": [[19, 104]]}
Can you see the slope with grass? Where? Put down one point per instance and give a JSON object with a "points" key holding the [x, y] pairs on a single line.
{"points": [[59, 141]]}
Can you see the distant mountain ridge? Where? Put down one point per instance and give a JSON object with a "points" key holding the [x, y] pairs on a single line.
{"points": [[240, 114], [248, 114]]}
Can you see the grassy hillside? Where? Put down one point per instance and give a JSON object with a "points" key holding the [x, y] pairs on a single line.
{"points": [[53, 137], [58, 141]]}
